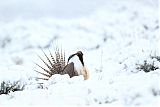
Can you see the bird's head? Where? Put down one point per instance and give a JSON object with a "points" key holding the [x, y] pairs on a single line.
{"points": [[80, 56]]}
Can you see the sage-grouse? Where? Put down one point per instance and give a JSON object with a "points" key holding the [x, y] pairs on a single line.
{"points": [[57, 65]]}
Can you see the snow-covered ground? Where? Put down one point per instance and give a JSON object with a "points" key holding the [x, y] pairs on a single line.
{"points": [[114, 35]]}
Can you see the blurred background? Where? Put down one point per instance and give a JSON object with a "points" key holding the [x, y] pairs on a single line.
{"points": [[12, 9]]}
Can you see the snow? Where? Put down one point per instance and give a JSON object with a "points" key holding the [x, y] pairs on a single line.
{"points": [[113, 35]]}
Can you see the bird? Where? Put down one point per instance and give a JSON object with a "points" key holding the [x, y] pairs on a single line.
{"points": [[57, 65], [81, 69]]}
